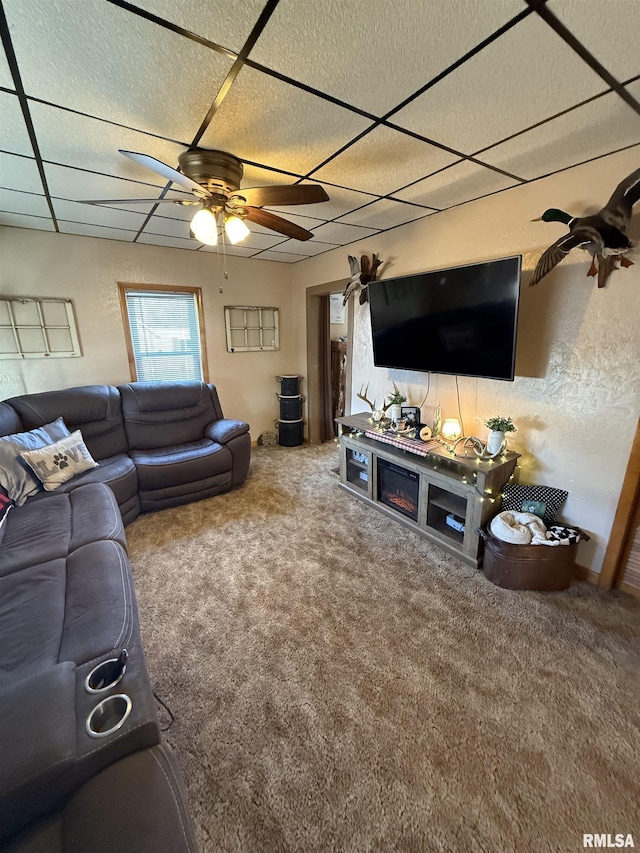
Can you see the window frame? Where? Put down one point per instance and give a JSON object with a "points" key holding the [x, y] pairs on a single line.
{"points": [[131, 286], [253, 309], [43, 326]]}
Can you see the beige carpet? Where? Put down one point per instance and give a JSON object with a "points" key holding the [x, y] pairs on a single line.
{"points": [[339, 684]]}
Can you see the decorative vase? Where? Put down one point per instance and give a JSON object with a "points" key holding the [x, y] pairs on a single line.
{"points": [[495, 441], [395, 412]]}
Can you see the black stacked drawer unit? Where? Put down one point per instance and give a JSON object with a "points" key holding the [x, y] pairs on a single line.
{"points": [[290, 423]]}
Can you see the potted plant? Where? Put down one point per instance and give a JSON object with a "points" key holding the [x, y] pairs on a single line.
{"points": [[394, 404], [498, 426]]}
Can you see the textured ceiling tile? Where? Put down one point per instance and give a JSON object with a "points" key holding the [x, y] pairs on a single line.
{"points": [[375, 59], [229, 25], [334, 232], [385, 213], [83, 230], [18, 220], [281, 257], [307, 248], [462, 182], [577, 136], [21, 202], [384, 160], [173, 242], [13, 131], [610, 31], [260, 240], [107, 62], [94, 214], [238, 251], [167, 227], [87, 143], [277, 125], [19, 173], [476, 106], [76, 185], [6, 79]]}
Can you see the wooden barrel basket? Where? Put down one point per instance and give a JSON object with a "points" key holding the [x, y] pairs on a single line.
{"points": [[535, 567]]}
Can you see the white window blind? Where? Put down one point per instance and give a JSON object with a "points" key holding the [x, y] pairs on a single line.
{"points": [[165, 335]]}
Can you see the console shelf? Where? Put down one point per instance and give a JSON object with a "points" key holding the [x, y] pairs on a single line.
{"points": [[442, 497]]}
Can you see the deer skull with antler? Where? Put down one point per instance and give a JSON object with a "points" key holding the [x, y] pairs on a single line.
{"points": [[377, 414]]}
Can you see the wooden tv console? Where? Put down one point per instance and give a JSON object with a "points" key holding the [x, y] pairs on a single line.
{"points": [[443, 497]]}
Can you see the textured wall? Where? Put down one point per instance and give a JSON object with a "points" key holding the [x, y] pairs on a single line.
{"points": [[576, 397], [87, 270]]}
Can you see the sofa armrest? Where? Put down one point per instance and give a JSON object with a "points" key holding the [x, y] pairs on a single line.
{"points": [[225, 430]]}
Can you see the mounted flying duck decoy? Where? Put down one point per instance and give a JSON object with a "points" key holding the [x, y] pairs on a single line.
{"points": [[604, 234]]}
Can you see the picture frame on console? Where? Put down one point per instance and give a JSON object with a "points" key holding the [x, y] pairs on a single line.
{"points": [[411, 415]]}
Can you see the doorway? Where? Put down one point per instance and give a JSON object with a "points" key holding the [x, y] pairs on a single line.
{"points": [[323, 389]]}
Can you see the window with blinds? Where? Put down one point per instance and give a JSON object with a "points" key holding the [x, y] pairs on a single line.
{"points": [[165, 333]]}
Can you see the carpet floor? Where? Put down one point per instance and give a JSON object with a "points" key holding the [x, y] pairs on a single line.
{"points": [[340, 684]]}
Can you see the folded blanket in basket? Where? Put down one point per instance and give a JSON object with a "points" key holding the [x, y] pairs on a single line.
{"points": [[520, 528]]}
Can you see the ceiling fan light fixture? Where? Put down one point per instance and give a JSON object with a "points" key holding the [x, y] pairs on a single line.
{"points": [[235, 229], [204, 227]]}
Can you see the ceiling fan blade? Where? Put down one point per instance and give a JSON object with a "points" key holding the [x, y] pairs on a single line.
{"points": [[277, 223], [270, 196], [137, 201], [166, 172]]}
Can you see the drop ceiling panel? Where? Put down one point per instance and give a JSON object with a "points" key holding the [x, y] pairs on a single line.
{"points": [[13, 131], [20, 202], [88, 143], [76, 185], [610, 31], [6, 79], [576, 136], [17, 220], [172, 242], [335, 232], [94, 214], [306, 248], [383, 161], [526, 75], [103, 61], [259, 240], [280, 257], [160, 225], [271, 123], [385, 213], [237, 251], [84, 230], [19, 173], [377, 59], [462, 182], [228, 26]]}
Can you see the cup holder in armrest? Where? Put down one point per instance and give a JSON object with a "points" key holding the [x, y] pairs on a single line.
{"points": [[108, 716], [106, 674]]}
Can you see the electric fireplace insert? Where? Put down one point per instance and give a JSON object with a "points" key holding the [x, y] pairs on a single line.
{"points": [[398, 488]]}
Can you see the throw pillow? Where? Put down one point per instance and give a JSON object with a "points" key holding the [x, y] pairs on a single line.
{"points": [[59, 462], [15, 475], [543, 501]]}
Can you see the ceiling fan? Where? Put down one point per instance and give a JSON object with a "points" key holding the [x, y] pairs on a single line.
{"points": [[214, 179]]}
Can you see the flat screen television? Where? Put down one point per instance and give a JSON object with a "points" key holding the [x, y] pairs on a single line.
{"points": [[461, 320]]}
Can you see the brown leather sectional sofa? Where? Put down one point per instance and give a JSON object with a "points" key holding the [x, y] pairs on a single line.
{"points": [[83, 765]]}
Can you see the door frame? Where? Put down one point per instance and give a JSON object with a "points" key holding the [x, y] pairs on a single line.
{"points": [[314, 390], [622, 527]]}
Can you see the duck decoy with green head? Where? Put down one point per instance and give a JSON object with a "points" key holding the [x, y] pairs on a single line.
{"points": [[604, 234]]}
